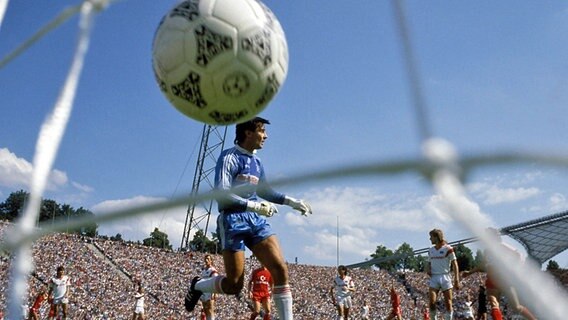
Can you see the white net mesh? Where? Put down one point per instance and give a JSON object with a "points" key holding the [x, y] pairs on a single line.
{"points": [[3, 5]]}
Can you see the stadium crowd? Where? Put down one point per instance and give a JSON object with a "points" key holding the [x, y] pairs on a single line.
{"points": [[105, 275]]}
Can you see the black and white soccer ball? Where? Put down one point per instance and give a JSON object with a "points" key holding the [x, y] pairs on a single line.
{"points": [[220, 61]]}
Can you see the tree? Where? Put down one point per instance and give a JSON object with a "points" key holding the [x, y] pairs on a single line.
{"points": [[552, 265], [216, 248], [201, 243], [89, 229], [479, 260], [384, 252], [464, 257], [198, 242], [118, 237], [421, 262], [407, 261], [157, 239], [49, 211], [14, 204]]}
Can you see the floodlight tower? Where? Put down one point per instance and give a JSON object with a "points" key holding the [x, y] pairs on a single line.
{"points": [[212, 142]]}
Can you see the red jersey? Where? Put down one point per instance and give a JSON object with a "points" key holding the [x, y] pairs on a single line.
{"points": [[38, 301], [426, 314], [395, 299], [261, 282]]}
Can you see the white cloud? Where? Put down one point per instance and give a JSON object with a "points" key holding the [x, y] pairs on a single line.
{"points": [[294, 219], [532, 176], [358, 241], [322, 247], [16, 172], [558, 202], [365, 207], [82, 187], [354, 244], [435, 207], [365, 216], [170, 221], [493, 194]]}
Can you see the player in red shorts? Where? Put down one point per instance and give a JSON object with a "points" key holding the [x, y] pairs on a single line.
{"points": [[426, 312], [34, 310], [396, 312], [260, 286], [51, 314], [492, 285]]}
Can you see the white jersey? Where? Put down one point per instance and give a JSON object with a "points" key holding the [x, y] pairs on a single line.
{"points": [[208, 273], [468, 309], [59, 286], [365, 313], [342, 286], [139, 300], [441, 259]]}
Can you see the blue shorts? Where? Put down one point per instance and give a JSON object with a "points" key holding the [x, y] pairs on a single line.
{"points": [[237, 230]]}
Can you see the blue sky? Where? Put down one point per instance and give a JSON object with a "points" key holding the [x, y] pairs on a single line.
{"points": [[494, 76]]}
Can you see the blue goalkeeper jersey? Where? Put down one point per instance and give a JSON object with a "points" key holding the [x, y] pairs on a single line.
{"points": [[237, 167]]}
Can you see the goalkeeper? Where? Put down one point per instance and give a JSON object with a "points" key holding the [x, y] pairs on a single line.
{"points": [[242, 221]]}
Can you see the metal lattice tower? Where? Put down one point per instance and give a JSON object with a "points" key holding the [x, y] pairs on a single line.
{"points": [[212, 142]]}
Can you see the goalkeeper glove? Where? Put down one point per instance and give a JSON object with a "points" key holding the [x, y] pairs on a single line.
{"points": [[263, 208], [299, 205]]}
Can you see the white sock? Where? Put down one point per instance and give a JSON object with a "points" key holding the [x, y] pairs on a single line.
{"points": [[449, 316], [211, 318], [283, 301], [212, 284]]}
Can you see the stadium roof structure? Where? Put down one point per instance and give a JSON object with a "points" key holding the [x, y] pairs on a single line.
{"points": [[543, 238]]}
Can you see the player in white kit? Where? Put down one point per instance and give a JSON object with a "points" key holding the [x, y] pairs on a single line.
{"points": [[139, 304], [341, 291], [207, 298], [441, 260], [468, 312], [365, 312], [58, 292]]}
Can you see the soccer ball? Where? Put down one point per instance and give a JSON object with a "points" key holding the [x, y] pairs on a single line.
{"points": [[220, 61]]}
